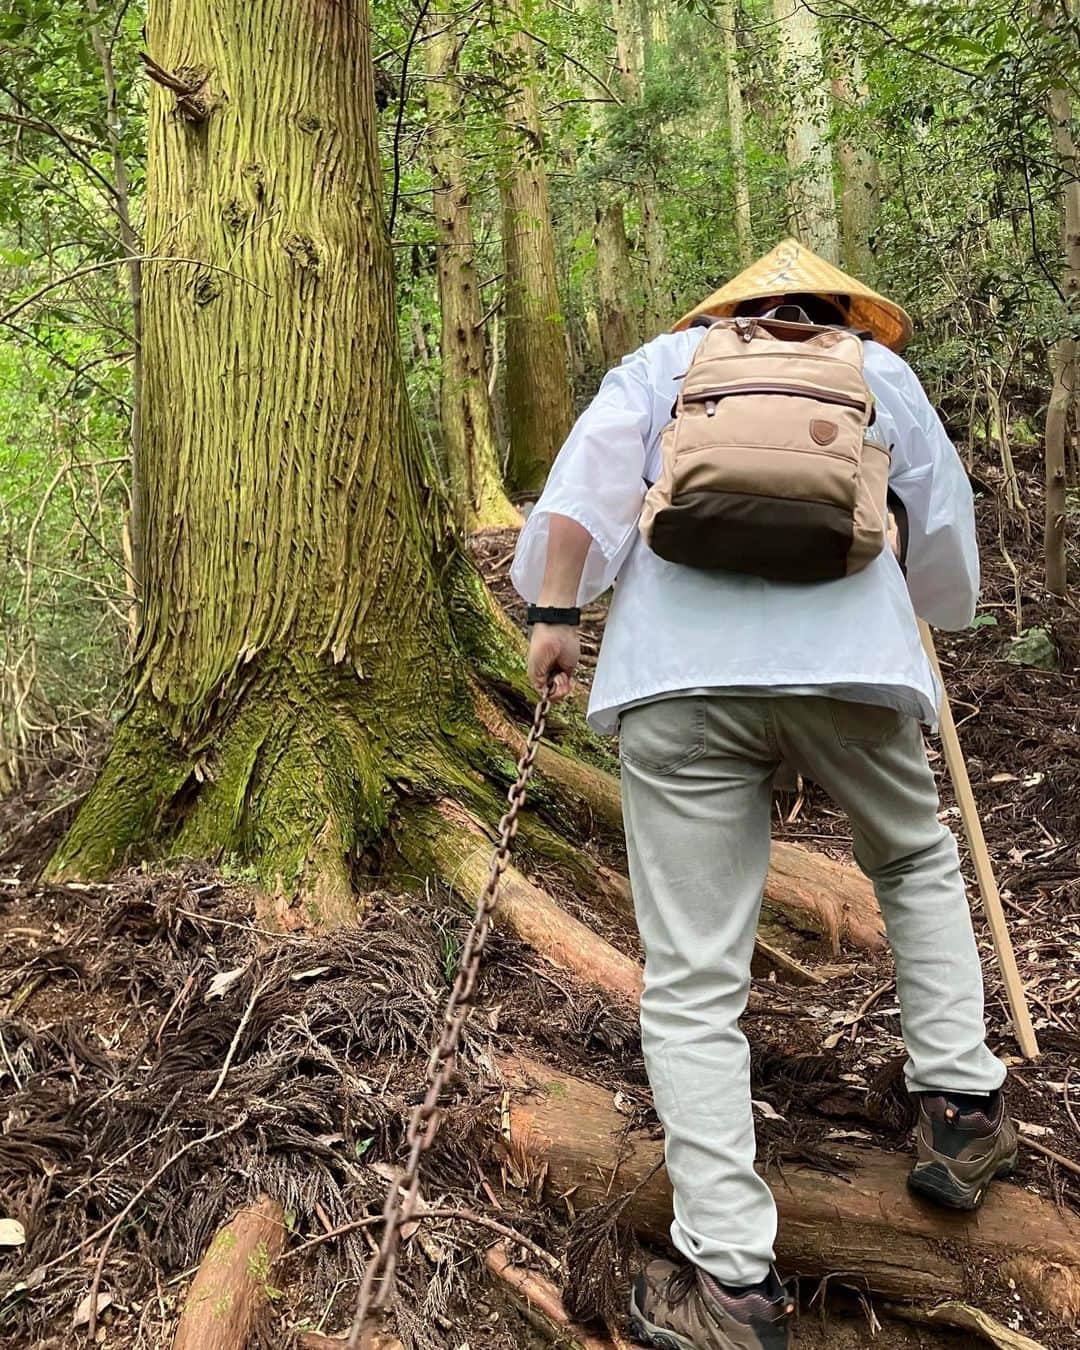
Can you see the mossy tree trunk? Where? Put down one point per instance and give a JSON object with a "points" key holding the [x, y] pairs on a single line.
{"points": [[538, 399], [312, 642], [466, 413]]}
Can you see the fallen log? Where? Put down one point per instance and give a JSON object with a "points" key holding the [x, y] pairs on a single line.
{"points": [[539, 1299], [858, 1227], [233, 1285], [836, 900]]}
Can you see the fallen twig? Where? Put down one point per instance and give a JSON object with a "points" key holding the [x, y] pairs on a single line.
{"points": [[188, 985], [465, 1215], [1061, 1161], [256, 993]]}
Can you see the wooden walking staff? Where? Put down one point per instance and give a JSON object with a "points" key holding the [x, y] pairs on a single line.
{"points": [[984, 871]]}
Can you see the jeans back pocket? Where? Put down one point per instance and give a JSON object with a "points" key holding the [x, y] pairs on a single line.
{"points": [[664, 735]]}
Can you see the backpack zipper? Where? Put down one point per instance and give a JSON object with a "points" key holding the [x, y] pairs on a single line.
{"points": [[711, 397]]}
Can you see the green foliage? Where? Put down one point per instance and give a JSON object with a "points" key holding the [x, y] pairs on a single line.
{"points": [[949, 107], [1034, 647], [65, 383]]}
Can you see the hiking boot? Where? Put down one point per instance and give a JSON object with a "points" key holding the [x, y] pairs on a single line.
{"points": [[964, 1142], [682, 1308]]}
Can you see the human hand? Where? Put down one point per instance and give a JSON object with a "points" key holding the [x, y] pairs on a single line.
{"points": [[554, 652]]}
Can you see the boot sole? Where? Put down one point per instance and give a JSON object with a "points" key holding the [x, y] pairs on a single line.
{"points": [[643, 1331], [935, 1181]]}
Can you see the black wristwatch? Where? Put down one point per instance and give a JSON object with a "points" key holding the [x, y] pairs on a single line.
{"points": [[551, 614]]}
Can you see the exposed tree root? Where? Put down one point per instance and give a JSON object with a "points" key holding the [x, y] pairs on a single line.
{"points": [[860, 1227], [966, 1318], [233, 1283], [452, 844], [542, 1304], [293, 786]]}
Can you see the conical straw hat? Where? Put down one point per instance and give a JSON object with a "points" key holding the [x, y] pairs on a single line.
{"points": [[790, 269]]}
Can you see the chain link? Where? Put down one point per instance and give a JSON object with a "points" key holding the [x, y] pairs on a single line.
{"points": [[403, 1192]]}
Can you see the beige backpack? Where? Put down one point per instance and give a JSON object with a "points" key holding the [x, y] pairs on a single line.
{"points": [[769, 462]]}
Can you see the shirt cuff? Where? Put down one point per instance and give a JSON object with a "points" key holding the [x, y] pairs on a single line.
{"points": [[602, 563]]}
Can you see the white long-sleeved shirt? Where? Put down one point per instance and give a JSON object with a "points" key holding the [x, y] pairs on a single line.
{"points": [[674, 629]]}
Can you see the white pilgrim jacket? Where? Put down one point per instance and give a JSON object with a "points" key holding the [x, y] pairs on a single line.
{"points": [[673, 629]]}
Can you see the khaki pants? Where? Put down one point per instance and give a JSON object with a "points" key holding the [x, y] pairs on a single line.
{"points": [[696, 775]]}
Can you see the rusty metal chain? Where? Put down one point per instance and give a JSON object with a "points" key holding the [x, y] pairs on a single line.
{"points": [[404, 1190]]}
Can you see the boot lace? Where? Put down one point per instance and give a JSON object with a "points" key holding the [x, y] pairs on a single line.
{"points": [[680, 1285]]}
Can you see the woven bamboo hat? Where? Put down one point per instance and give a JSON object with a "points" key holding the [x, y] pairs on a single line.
{"points": [[792, 269]]}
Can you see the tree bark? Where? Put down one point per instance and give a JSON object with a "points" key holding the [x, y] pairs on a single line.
{"points": [[447, 841], [312, 637], [728, 17], [1064, 356], [859, 1226], [801, 72], [234, 1281], [614, 283], [539, 405], [828, 896], [466, 413], [630, 60], [858, 173]]}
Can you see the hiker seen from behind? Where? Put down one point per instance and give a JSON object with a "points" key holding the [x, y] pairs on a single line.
{"points": [[774, 500]]}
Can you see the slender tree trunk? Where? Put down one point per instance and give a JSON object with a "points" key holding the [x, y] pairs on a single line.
{"points": [[310, 633], [802, 78], [1061, 411], [658, 23], [615, 283], [466, 412], [728, 17], [539, 405], [858, 177], [1058, 415], [659, 297], [612, 320], [630, 59], [594, 339]]}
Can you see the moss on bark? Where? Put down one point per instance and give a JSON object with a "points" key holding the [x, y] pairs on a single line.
{"points": [[313, 641]]}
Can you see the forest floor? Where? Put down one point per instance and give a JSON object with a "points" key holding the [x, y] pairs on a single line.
{"points": [[139, 1015]]}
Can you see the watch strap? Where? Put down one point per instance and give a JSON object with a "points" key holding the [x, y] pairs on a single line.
{"points": [[553, 614]]}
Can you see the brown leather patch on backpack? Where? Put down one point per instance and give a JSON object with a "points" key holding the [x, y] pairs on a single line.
{"points": [[823, 431]]}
